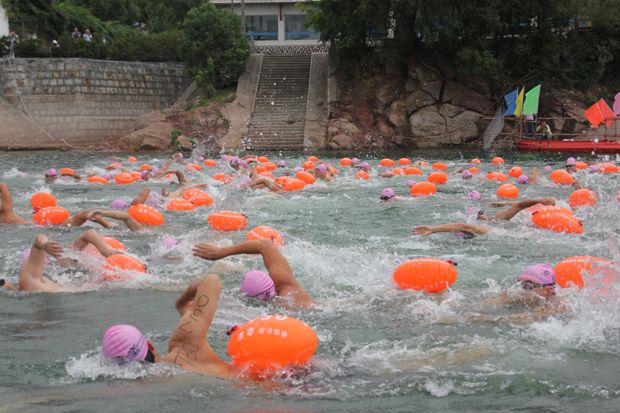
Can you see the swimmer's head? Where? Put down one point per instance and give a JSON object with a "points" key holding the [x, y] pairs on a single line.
{"points": [[355, 161], [474, 195], [118, 204], [4, 284], [537, 276], [523, 179], [410, 183], [547, 168], [258, 284], [281, 164], [365, 166], [466, 175], [124, 344], [387, 194], [51, 174], [571, 161]]}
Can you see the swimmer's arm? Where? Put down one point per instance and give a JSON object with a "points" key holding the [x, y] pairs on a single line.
{"points": [[6, 201], [195, 323], [142, 197], [72, 175], [187, 296], [431, 229]]}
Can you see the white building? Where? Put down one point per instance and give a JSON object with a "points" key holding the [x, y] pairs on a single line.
{"points": [[4, 22], [274, 22]]}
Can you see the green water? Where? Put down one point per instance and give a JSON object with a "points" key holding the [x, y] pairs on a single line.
{"points": [[380, 349]]}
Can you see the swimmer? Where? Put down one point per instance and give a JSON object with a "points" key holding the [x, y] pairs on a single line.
{"points": [[259, 181], [187, 346], [31, 276], [52, 175], [322, 172], [571, 168], [389, 195], [7, 214], [286, 285]]}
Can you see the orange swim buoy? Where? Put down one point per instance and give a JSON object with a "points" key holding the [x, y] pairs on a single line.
{"points": [[313, 159], [386, 162], [96, 179], [346, 162], [438, 178], [307, 177], [224, 178], [608, 167], [475, 161], [332, 170], [557, 222], [124, 178], [362, 175], [146, 215], [112, 242], [507, 191], [265, 232], [497, 176], [193, 166], [412, 170], [570, 270], [270, 166], [561, 177], [423, 189], [498, 161], [146, 167], [262, 159], [473, 170], [67, 171], [210, 162], [132, 159], [515, 171], [281, 180], [308, 165], [293, 184], [397, 171], [260, 168], [581, 165], [180, 204], [404, 161], [118, 263], [52, 215], [227, 221], [425, 274], [269, 343], [42, 200], [582, 197], [440, 166], [197, 197]]}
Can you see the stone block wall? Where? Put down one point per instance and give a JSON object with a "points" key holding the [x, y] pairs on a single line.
{"points": [[86, 101]]}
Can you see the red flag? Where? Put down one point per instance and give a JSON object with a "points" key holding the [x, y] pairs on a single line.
{"points": [[599, 113]]}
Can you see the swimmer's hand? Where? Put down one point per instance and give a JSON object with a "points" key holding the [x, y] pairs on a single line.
{"points": [[499, 204], [210, 252], [423, 230], [53, 248]]}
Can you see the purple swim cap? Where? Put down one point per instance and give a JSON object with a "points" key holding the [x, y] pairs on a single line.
{"points": [[387, 194], [243, 164], [124, 343], [299, 169], [523, 179], [143, 174], [169, 242], [51, 172], [200, 159], [355, 161], [364, 166], [258, 284], [548, 168], [474, 195], [466, 175], [571, 161], [281, 164], [410, 183], [541, 274], [118, 204], [321, 168]]}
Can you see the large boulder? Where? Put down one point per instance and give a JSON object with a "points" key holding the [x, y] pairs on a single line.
{"points": [[397, 114], [459, 95], [428, 122], [341, 141], [156, 136], [463, 127], [418, 100]]}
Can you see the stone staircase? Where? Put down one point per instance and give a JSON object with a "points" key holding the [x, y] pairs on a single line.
{"points": [[279, 115]]}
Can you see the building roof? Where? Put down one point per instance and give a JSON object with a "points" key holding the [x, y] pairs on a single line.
{"points": [[260, 1]]}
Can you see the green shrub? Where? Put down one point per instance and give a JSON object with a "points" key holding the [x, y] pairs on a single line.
{"points": [[215, 49]]}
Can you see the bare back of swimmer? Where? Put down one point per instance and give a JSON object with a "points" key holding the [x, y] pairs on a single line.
{"points": [[7, 214], [277, 265]]}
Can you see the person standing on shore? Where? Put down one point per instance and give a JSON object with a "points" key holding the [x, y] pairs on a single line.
{"points": [[13, 40]]}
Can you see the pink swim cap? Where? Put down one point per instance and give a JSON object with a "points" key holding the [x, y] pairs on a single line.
{"points": [[124, 343], [118, 204], [51, 172], [321, 168], [169, 242], [410, 183], [548, 168], [523, 179], [258, 284], [474, 195], [571, 161], [541, 274], [387, 194], [466, 175], [281, 164]]}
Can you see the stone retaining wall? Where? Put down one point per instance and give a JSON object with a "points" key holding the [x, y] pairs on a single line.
{"points": [[86, 102]]}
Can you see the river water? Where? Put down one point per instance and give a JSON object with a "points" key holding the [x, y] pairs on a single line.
{"points": [[380, 349]]}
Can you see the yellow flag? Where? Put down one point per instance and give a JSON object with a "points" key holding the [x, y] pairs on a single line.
{"points": [[519, 108]]}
